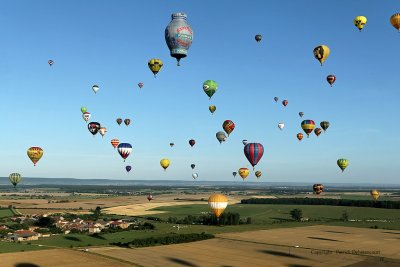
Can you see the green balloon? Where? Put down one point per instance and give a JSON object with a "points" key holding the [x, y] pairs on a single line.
{"points": [[83, 109], [210, 87]]}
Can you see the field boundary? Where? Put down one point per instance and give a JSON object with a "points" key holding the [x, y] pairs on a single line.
{"points": [[116, 259]]}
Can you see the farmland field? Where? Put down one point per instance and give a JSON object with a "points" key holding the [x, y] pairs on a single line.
{"points": [[6, 212]]}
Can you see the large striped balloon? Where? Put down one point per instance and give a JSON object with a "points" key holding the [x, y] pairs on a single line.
{"points": [[217, 203], [114, 142], [15, 178], [253, 153], [308, 126], [124, 149]]}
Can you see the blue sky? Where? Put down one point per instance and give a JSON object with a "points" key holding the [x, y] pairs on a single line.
{"points": [[108, 43]]}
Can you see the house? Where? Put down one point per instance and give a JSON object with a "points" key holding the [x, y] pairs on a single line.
{"points": [[119, 224], [94, 229], [23, 235], [33, 228]]}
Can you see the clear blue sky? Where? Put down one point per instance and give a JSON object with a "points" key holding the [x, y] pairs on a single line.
{"points": [[109, 43]]}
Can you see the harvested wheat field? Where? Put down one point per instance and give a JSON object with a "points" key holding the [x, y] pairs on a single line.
{"points": [[58, 258], [317, 246]]}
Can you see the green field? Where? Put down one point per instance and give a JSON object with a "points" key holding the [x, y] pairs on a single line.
{"points": [[17, 247], [5, 213]]}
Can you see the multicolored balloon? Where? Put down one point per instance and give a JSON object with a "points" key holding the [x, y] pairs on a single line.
{"points": [[308, 126], [281, 125], [212, 109], [102, 131], [140, 85], [321, 53], [210, 87], [15, 178], [395, 21], [228, 126], [150, 197], [342, 163], [221, 137], [192, 142], [128, 168], [217, 203], [360, 22], [375, 194], [244, 172], [258, 174], [285, 103], [155, 65], [35, 154], [127, 122], [253, 153], [165, 163], [324, 125], [83, 109], [331, 79], [86, 116], [178, 36], [119, 121], [93, 127], [317, 131], [299, 136], [114, 143], [318, 188], [301, 114], [51, 62], [124, 149], [258, 38], [244, 142]]}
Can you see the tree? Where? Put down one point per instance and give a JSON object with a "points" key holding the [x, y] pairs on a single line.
{"points": [[296, 214], [97, 212], [45, 222], [345, 216]]}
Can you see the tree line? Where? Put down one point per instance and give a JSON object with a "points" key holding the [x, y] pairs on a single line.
{"points": [[325, 201], [226, 218], [165, 240]]}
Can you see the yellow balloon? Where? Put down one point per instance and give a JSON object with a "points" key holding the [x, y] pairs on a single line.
{"points": [[217, 203], [244, 172], [321, 53], [212, 109], [375, 194], [395, 21], [155, 65], [164, 163], [35, 154], [360, 22]]}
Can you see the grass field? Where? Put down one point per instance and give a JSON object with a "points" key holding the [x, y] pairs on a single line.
{"points": [[5, 213], [15, 247]]}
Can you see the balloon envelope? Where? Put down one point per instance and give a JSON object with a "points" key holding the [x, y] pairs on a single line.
{"points": [[165, 163], [195, 175], [35, 154], [299, 136], [228, 126], [15, 178], [212, 109], [331, 79], [258, 38], [93, 127], [285, 102], [360, 22], [324, 125], [95, 88], [155, 65], [124, 149], [321, 53], [114, 142], [253, 152], [342, 163], [127, 122], [221, 137], [244, 172], [192, 142], [308, 126], [210, 87], [217, 203], [375, 194], [86, 116], [234, 174], [128, 168], [395, 21], [192, 166], [318, 188], [119, 121]]}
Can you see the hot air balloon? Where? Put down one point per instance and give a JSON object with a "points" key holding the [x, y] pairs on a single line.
{"points": [[342, 163], [192, 166], [164, 163], [114, 142], [127, 122], [244, 142], [318, 189], [276, 99], [281, 125], [253, 153], [150, 197], [324, 125], [285, 103], [86, 116], [321, 53], [317, 131], [35, 154], [258, 174], [210, 87], [360, 22], [171, 144], [331, 79], [51, 62], [258, 38], [179, 36], [308, 126], [102, 131], [119, 121], [124, 149], [93, 127], [83, 109], [234, 174], [195, 175], [244, 172], [192, 142], [95, 88], [217, 203], [299, 136], [15, 178], [128, 168], [212, 109], [228, 126], [375, 194], [221, 137], [395, 21], [155, 65], [301, 114], [140, 85]]}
